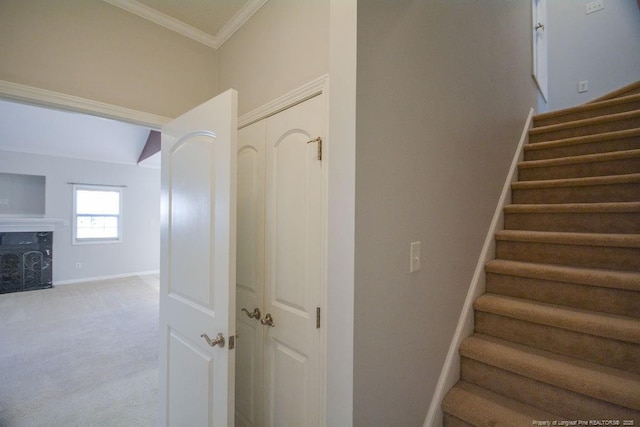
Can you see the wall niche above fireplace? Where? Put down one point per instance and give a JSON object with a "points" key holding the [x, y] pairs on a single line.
{"points": [[22, 195]]}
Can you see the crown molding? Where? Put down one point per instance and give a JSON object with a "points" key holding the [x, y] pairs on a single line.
{"points": [[43, 97], [238, 20], [186, 30], [296, 96]]}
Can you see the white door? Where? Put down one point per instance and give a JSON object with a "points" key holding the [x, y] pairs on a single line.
{"points": [[250, 275], [198, 250], [294, 241], [540, 72]]}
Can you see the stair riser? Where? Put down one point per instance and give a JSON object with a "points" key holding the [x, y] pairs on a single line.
{"points": [[627, 222], [605, 146], [614, 301], [612, 126], [587, 113], [564, 403], [581, 170], [605, 351], [615, 258], [629, 192], [451, 421]]}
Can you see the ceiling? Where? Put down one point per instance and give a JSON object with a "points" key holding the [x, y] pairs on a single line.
{"points": [[37, 130]]}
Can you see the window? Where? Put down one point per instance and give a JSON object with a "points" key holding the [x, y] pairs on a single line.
{"points": [[97, 214]]}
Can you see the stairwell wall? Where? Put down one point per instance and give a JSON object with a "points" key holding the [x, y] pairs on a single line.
{"points": [[601, 47], [443, 90]]}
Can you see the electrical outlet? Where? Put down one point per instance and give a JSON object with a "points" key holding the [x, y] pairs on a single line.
{"points": [[583, 86], [78, 265], [594, 6]]}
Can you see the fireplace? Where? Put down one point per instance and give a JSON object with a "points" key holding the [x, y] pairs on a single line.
{"points": [[25, 260]]}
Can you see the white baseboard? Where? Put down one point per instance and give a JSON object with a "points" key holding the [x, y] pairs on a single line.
{"points": [[96, 279], [450, 373]]}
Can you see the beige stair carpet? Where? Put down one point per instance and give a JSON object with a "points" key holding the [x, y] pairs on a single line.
{"points": [[557, 333]]}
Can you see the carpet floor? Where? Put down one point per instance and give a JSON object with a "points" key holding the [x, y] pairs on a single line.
{"points": [[80, 355]]}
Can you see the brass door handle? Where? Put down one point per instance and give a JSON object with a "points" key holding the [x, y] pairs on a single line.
{"points": [[255, 315], [268, 320], [219, 340]]}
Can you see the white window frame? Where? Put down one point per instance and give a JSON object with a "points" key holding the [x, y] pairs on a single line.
{"points": [[99, 240]]}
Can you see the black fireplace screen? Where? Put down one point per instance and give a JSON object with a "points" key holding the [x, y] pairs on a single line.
{"points": [[25, 261]]}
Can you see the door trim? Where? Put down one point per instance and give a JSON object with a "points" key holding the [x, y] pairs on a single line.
{"points": [[288, 100], [319, 86], [47, 98]]}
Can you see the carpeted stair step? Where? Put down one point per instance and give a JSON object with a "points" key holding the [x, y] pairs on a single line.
{"points": [[587, 111], [469, 405], [586, 165], [599, 189], [563, 385], [601, 124], [591, 250], [566, 403], [607, 291], [617, 217], [630, 89], [606, 339], [591, 144]]}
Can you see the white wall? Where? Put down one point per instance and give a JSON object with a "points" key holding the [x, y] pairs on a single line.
{"points": [[602, 47], [443, 91], [140, 248], [283, 46]]}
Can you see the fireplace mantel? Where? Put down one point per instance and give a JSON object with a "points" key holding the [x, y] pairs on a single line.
{"points": [[26, 224]]}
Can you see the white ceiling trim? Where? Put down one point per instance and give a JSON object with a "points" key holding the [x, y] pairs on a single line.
{"points": [[238, 20], [43, 97], [186, 30]]}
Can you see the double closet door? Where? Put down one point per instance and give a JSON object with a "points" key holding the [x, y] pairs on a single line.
{"points": [[279, 268]]}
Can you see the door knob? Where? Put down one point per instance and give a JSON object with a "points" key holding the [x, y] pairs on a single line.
{"points": [[255, 315], [540, 26], [268, 320], [219, 340]]}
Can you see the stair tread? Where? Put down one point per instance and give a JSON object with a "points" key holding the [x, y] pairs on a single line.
{"points": [[577, 140], [585, 122], [587, 378], [584, 158], [584, 276], [593, 323], [587, 107], [582, 239], [479, 406], [623, 91], [631, 178], [602, 207]]}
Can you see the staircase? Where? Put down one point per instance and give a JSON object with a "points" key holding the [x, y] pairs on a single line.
{"points": [[557, 333]]}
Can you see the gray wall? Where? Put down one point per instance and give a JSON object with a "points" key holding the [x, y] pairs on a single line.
{"points": [[140, 248], [602, 47], [91, 49], [283, 46], [443, 91]]}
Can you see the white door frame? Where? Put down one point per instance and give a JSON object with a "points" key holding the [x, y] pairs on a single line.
{"points": [[539, 39], [296, 96]]}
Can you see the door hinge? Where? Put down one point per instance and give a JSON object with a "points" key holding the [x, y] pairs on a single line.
{"points": [[319, 141], [317, 317]]}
